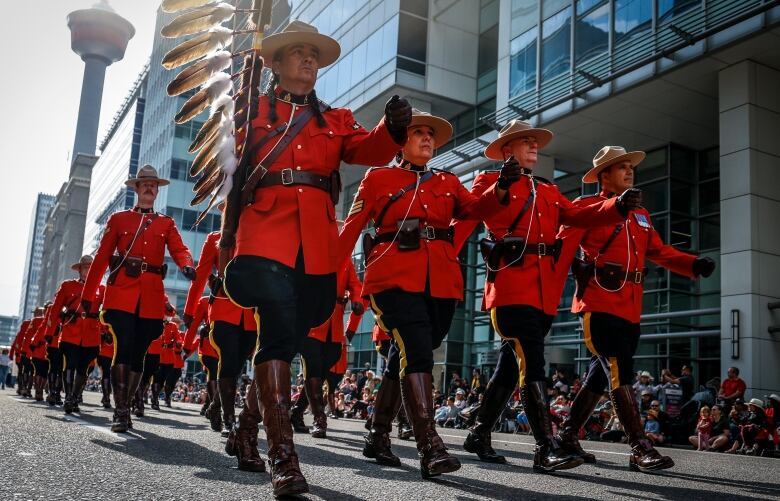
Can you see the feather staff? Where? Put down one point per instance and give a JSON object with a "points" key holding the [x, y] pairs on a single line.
{"points": [[260, 17], [199, 73], [177, 5], [195, 48], [217, 86], [198, 20]]}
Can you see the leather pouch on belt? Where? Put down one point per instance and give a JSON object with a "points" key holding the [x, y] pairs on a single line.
{"points": [[133, 266], [513, 250], [408, 234], [611, 275]]}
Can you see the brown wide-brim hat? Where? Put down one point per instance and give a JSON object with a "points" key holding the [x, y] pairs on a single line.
{"points": [[300, 32], [442, 129], [516, 129], [86, 260], [146, 173], [611, 155]]}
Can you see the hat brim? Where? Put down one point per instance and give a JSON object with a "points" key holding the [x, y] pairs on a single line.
{"points": [[134, 182], [635, 157], [442, 129], [493, 150], [329, 48], [76, 266]]}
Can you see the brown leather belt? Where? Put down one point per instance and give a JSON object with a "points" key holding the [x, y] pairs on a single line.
{"points": [[426, 233], [637, 277], [91, 315], [290, 177]]}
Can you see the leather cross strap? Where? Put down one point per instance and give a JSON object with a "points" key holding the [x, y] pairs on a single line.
{"points": [[398, 194], [260, 170]]}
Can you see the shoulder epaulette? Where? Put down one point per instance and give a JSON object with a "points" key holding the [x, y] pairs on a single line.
{"points": [[583, 197], [371, 169], [442, 171], [164, 215]]}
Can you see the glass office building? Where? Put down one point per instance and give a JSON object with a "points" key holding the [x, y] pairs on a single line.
{"points": [[692, 82]]}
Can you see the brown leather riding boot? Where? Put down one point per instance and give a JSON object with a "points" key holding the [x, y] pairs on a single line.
{"points": [[417, 394], [296, 414], [120, 374], [568, 432], [377, 441], [273, 384], [479, 440], [227, 397], [214, 412], [242, 439], [39, 382], [317, 404], [548, 454], [643, 457]]}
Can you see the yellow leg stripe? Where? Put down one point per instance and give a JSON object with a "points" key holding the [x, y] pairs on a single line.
{"points": [[224, 286], [257, 323], [586, 334], [305, 370], [111, 331], [519, 354], [396, 335], [216, 348], [614, 372]]}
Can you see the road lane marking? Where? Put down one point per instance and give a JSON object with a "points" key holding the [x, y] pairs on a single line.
{"points": [[533, 445]]}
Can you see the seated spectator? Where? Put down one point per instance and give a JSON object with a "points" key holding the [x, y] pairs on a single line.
{"points": [[460, 401], [448, 414], [737, 417], [438, 398], [773, 417], [560, 385], [476, 382], [732, 388], [755, 433], [653, 428], [661, 416], [645, 401], [455, 383], [645, 383], [719, 433], [523, 426]]}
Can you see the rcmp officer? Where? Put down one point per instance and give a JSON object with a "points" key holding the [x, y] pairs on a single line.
{"points": [[77, 331], [19, 355], [285, 246], [105, 356], [231, 333], [522, 290], [322, 349], [197, 338], [133, 249], [177, 349], [608, 300], [38, 346], [167, 365], [412, 279]]}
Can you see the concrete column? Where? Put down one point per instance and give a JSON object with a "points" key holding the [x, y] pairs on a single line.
{"points": [[89, 106], [749, 108]]}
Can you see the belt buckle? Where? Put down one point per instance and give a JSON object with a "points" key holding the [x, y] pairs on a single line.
{"points": [[144, 266], [287, 176], [542, 249], [430, 233], [637, 277]]}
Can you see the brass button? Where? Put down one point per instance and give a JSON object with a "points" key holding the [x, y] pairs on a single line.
{"points": [[297, 167], [299, 146], [300, 190]]}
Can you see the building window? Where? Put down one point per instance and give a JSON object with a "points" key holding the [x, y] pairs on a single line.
{"points": [[632, 17], [591, 34], [412, 43], [522, 72], [180, 169], [668, 9], [556, 44], [415, 7]]}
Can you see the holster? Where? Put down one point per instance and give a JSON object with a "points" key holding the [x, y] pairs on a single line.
{"points": [[490, 250], [408, 234], [335, 186], [582, 271], [368, 246], [113, 265]]}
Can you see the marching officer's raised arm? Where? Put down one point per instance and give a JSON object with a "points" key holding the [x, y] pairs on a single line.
{"points": [[208, 257], [359, 214], [106, 248], [179, 252]]}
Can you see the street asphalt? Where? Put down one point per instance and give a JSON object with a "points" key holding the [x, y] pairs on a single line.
{"points": [[172, 454]]}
